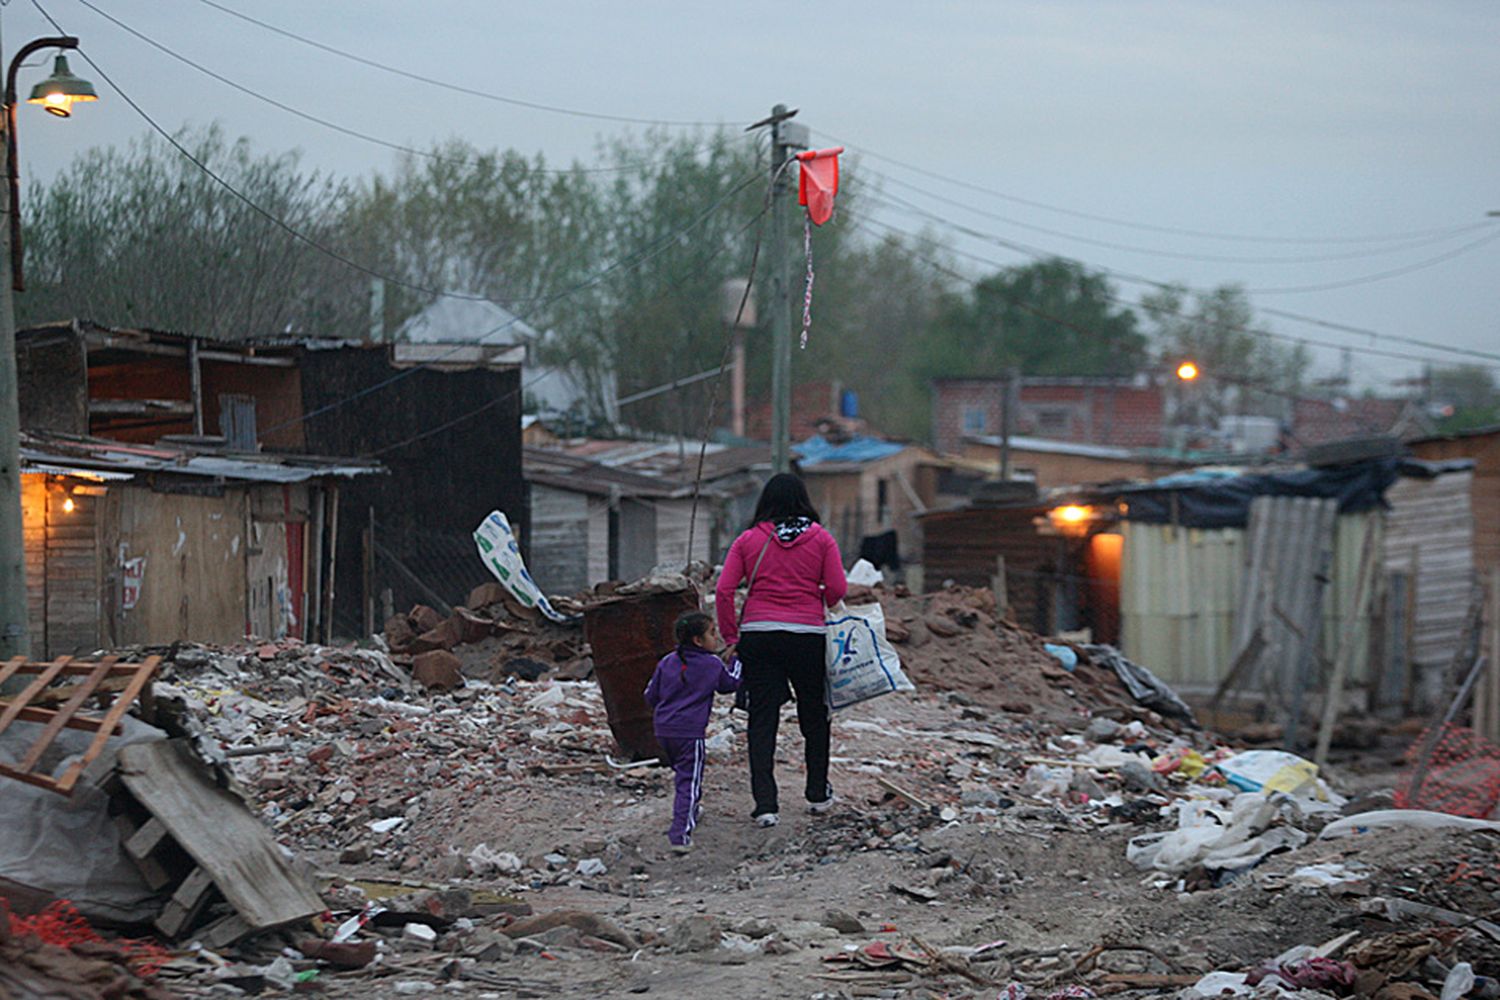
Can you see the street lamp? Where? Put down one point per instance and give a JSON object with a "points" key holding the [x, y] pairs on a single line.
{"points": [[57, 94]]}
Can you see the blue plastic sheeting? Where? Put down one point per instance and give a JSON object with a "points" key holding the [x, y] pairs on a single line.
{"points": [[817, 450]]}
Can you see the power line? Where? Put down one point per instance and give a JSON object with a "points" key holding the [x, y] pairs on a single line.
{"points": [[1111, 220], [1119, 300], [485, 407], [1181, 255], [1040, 254], [325, 123], [308, 240], [658, 247], [454, 87]]}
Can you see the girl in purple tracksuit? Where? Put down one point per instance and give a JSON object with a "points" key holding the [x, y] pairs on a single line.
{"points": [[681, 695]]}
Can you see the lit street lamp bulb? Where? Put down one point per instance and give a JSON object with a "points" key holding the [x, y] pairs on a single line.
{"points": [[1187, 371], [59, 104]]}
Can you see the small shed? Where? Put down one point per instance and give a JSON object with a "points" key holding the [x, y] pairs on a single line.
{"points": [[588, 522], [1193, 569], [131, 543], [867, 490]]}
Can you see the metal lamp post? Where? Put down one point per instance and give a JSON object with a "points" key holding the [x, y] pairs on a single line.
{"points": [[57, 94]]}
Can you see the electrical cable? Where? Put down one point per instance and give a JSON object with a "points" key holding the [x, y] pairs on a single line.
{"points": [[461, 418], [1127, 303], [1111, 220], [1180, 255], [893, 201], [454, 87], [325, 123]]}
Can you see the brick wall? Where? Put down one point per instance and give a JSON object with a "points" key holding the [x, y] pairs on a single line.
{"points": [[1126, 415]]}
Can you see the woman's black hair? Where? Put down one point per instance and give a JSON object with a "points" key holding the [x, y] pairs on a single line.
{"points": [[689, 626], [784, 496]]}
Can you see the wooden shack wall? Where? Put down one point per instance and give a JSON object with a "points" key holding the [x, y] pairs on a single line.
{"points": [[63, 606], [195, 551], [1430, 538], [1484, 491], [964, 545]]}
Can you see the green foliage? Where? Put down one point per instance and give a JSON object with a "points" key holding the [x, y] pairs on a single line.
{"points": [[1244, 369], [145, 238], [1470, 392], [1047, 318]]}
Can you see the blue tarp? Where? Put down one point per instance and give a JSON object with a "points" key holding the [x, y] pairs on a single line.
{"points": [[817, 450]]}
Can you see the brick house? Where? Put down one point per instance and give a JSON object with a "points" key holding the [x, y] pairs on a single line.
{"points": [[1124, 412]]}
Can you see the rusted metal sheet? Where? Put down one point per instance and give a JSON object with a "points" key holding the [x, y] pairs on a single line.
{"points": [[628, 635]]}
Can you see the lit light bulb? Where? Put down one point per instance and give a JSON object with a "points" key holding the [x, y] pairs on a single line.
{"points": [[57, 103], [69, 506], [1187, 371]]}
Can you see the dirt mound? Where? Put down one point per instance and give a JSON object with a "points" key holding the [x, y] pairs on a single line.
{"points": [[952, 640]]}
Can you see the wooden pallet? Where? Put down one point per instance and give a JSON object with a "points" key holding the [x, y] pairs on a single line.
{"points": [[50, 687]]}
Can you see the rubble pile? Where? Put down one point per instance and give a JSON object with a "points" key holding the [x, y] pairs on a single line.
{"points": [[491, 637], [953, 640]]}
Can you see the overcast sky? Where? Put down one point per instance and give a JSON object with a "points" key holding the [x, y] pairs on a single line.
{"points": [[1297, 123]]}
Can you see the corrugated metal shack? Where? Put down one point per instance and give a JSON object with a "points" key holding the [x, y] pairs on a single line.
{"points": [[1209, 560], [129, 543], [1211, 578]]}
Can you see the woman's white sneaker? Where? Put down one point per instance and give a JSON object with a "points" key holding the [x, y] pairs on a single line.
{"points": [[767, 819], [819, 808]]}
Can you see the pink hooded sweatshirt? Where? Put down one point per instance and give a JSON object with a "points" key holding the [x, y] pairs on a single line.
{"points": [[795, 580]]}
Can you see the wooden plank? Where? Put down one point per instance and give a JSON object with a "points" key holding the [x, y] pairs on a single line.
{"points": [[82, 692], [223, 932], [24, 698], [187, 904], [11, 668], [78, 669], [219, 833], [147, 839], [83, 722], [111, 719]]}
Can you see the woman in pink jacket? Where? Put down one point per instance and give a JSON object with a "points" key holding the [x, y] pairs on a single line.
{"points": [[793, 568]]}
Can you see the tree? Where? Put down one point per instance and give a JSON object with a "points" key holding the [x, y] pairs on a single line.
{"points": [[1244, 370], [144, 237], [1048, 318], [1465, 396]]}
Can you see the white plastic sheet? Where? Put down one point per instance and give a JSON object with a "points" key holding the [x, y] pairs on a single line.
{"points": [[502, 557]]}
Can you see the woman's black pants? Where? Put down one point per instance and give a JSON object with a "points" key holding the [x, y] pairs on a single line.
{"points": [[771, 661]]}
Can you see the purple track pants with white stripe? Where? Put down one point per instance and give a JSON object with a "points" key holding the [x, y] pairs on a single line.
{"points": [[686, 758]]}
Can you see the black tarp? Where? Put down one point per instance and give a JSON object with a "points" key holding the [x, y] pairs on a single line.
{"points": [[1225, 502]]}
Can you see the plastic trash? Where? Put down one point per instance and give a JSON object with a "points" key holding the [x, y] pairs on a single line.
{"points": [[864, 574], [1271, 771], [1046, 782], [1063, 655], [1219, 983], [1402, 819], [1459, 982]]}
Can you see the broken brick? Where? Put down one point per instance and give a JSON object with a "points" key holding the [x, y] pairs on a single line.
{"points": [[486, 594], [398, 632], [438, 669], [340, 954], [445, 635], [425, 619], [470, 627]]}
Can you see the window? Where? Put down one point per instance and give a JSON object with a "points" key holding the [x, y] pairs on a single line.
{"points": [[1052, 419], [974, 420]]}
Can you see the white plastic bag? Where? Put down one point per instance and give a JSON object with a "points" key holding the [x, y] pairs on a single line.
{"points": [[861, 662]]}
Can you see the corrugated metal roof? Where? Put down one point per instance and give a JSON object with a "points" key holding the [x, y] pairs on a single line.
{"points": [[818, 450], [97, 456]]}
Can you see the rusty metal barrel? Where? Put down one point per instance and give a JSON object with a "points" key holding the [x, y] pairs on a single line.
{"points": [[628, 634]]}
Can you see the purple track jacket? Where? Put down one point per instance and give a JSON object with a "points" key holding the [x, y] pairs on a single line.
{"points": [[681, 692]]}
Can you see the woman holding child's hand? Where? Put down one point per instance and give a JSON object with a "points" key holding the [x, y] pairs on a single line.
{"points": [[794, 570]]}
